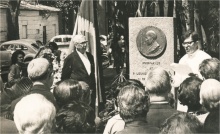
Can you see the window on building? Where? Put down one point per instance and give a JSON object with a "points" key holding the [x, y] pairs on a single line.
{"points": [[24, 32], [54, 29]]}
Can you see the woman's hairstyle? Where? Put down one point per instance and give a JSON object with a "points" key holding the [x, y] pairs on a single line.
{"points": [[120, 85], [75, 117], [181, 123], [86, 92], [158, 81], [67, 90], [189, 92], [14, 57], [133, 102], [210, 68], [210, 94], [53, 45]]}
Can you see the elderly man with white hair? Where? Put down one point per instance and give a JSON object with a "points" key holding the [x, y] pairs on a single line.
{"points": [[34, 114], [159, 86], [79, 65], [40, 72], [151, 42]]}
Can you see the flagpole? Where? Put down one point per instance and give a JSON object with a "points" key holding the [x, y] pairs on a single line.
{"points": [[98, 91]]}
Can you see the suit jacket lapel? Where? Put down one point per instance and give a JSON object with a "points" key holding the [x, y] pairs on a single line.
{"points": [[80, 62]]}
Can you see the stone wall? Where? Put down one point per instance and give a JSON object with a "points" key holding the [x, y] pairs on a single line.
{"points": [[31, 25], [3, 25], [140, 60]]}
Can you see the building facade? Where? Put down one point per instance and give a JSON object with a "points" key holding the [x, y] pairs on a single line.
{"points": [[35, 22]]}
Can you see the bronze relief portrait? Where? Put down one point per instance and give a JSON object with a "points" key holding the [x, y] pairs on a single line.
{"points": [[151, 42]]}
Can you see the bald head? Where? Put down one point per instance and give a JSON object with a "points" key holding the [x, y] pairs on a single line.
{"points": [[38, 69], [152, 34]]}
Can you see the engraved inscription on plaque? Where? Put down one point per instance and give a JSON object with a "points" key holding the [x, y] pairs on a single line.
{"points": [[151, 42]]}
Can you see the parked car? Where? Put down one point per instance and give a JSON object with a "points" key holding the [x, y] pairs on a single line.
{"points": [[63, 41], [29, 46]]}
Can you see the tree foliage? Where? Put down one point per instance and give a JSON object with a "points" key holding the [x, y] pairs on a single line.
{"points": [[69, 9], [201, 16]]}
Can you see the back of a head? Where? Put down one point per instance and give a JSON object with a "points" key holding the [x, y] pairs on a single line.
{"points": [[38, 69], [181, 123], [53, 45], [158, 82], [210, 94], [86, 92], [120, 85], [133, 102], [125, 83], [75, 117], [210, 68], [67, 91], [189, 92], [34, 114]]}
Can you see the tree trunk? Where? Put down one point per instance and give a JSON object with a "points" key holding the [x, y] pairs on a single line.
{"points": [[166, 5], [198, 25], [191, 15], [13, 12]]}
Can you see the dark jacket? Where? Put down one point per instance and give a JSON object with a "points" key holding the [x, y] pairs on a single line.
{"points": [[138, 127], [38, 89], [74, 68], [158, 113]]}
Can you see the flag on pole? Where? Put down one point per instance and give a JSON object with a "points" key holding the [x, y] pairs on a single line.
{"points": [[85, 25]]}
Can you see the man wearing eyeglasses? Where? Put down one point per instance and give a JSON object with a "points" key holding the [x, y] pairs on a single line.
{"points": [[79, 65], [193, 56]]}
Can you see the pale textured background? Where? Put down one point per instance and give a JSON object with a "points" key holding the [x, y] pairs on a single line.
{"points": [[136, 59]]}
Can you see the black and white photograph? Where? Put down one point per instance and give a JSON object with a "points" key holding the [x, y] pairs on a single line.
{"points": [[109, 66]]}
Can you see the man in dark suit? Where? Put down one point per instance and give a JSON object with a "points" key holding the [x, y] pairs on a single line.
{"points": [[134, 104], [40, 72], [79, 65], [158, 84]]}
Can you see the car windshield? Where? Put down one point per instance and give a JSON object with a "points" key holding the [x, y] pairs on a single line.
{"points": [[66, 39], [4, 47], [58, 40]]}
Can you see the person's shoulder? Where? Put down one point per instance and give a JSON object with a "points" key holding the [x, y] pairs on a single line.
{"points": [[182, 60], [89, 54], [152, 129], [204, 54], [70, 56], [13, 66]]}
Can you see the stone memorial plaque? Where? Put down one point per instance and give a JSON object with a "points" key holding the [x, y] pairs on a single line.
{"points": [[151, 44]]}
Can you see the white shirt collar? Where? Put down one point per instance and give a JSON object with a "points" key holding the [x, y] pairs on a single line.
{"points": [[85, 61], [193, 54]]}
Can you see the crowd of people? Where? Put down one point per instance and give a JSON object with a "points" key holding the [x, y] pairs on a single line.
{"points": [[34, 105]]}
